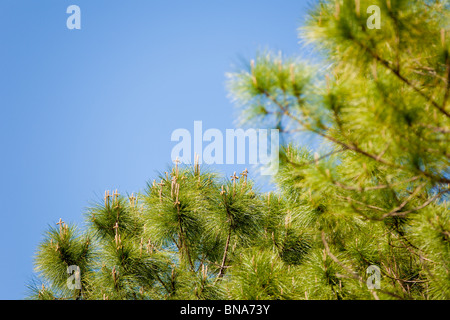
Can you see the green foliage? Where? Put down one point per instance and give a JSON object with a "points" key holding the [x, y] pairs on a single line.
{"points": [[376, 195]]}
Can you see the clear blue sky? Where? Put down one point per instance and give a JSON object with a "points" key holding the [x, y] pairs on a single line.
{"points": [[86, 110]]}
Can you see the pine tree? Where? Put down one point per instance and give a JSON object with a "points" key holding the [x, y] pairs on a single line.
{"points": [[375, 194]]}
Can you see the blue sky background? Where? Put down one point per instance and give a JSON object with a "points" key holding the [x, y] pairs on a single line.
{"points": [[86, 110]]}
